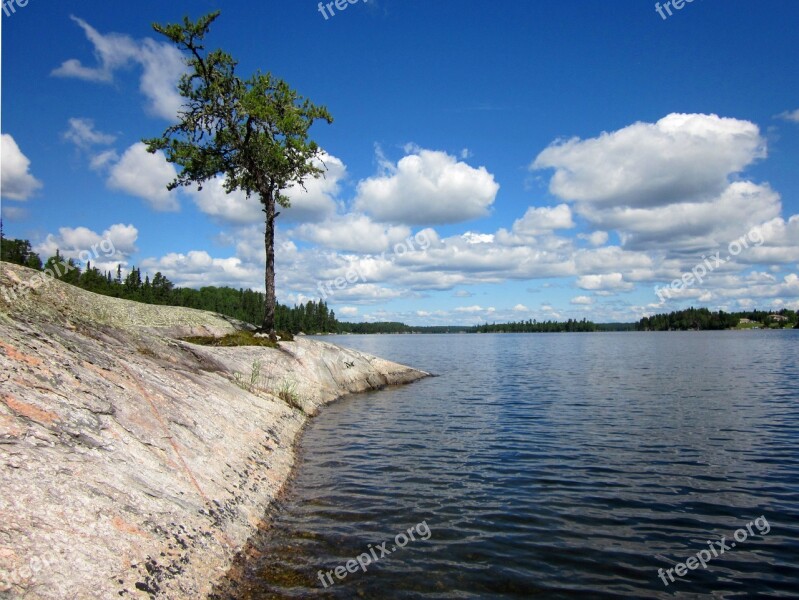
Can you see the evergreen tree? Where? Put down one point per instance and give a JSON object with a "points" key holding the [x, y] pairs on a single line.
{"points": [[253, 131], [19, 252]]}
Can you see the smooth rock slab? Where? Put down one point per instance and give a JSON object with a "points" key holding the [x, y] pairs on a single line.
{"points": [[134, 465]]}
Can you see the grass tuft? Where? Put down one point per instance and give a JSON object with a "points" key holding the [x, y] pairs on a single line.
{"points": [[261, 379], [287, 391]]}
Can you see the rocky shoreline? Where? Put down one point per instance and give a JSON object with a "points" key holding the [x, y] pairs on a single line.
{"points": [[136, 465]]}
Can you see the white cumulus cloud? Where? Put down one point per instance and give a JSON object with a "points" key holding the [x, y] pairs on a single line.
{"points": [[692, 225], [105, 250], [315, 200], [609, 281], [544, 219], [475, 309], [146, 176], [427, 187], [234, 207], [16, 181], [596, 238], [470, 237], [353, 232], [681, 157], [197, 268]]}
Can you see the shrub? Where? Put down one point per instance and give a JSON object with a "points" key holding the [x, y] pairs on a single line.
{"points": [[239, 338]]}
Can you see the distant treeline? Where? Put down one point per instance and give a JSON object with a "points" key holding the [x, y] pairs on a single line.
{"points": [[534, 326], [616, 326], [316, 317], [393, 327], [703, 319], [531, 326]]}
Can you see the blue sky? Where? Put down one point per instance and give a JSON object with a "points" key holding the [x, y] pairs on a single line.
{"points": [[547, 160]]}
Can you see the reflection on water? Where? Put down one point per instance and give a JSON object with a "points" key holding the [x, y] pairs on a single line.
{"points": [[559, 466]]}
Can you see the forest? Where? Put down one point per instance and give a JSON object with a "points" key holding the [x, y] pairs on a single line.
{"points": [[699, 319]]}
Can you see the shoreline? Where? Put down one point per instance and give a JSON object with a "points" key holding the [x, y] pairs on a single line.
{"points": [[235, 578], [135, 465]]}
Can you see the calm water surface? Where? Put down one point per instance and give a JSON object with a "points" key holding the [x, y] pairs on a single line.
{"points": [[552, 466]]}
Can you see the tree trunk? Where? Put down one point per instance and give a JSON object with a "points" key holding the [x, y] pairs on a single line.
{"points": [[268, 325]]}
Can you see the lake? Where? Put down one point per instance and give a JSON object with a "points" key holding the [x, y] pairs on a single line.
{"points": [[552, 466]]}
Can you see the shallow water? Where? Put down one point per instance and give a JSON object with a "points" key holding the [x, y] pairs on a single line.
{"points": [[551, 465]]}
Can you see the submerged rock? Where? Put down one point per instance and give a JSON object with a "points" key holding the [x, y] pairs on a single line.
{"points": [[136, 465]]}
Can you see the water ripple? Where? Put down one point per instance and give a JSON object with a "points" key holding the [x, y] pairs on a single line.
{"points": [[554, 466]]}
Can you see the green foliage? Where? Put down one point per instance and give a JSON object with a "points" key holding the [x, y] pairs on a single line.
{"points": [[394, 327], [533, 326], [19, 252], [253, 382], [703, 319], [383, 327], [63, 270], [287, 391], [253, 132], [616, 326], [260, 379], [239, 338]]}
